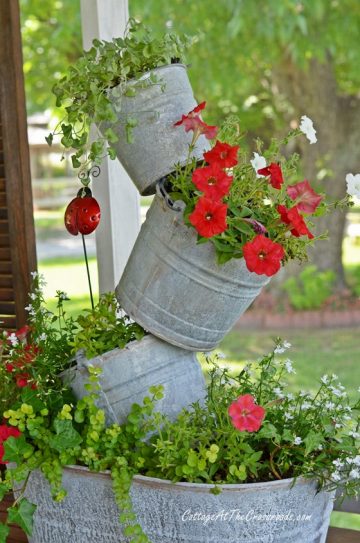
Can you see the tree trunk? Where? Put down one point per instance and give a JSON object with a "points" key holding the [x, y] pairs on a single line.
{"points": [[313, 92]]}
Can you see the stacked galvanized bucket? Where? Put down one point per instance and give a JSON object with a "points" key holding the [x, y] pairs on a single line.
{"points": [[176, 291], [171, 286]]}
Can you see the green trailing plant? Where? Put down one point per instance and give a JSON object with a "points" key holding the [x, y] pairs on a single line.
{"points": [[287, 435], [104, 328], [84, 94], [310, 289]]}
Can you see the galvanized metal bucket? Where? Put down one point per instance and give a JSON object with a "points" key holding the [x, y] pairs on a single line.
{"points": [[175, 289], [157, 144], [128, 373], [274, 512]]}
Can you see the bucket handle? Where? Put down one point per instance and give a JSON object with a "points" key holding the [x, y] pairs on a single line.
{"points": [[162, 192]]}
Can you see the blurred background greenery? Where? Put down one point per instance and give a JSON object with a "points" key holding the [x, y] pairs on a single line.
{"points": [[268, 62]]}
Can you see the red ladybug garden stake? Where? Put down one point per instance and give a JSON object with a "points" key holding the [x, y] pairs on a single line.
{"points": [[83, 215]]}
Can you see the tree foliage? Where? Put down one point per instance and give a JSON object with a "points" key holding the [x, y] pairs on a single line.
{"points": [[51, 34]]}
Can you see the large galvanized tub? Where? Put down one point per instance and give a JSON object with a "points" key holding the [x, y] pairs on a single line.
{"points": [[128, 373], [175, 289], [157, 144], [275, 512]]}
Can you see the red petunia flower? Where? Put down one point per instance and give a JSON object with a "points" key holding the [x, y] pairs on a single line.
{"points": [[307, 199], [223, 154], [245, 414], [23, 332], [263, 256], [209, 217], [5, 433], [192, 121], [193, 113], [22, 380], [295, 220], [275, 173], [212, 181]]}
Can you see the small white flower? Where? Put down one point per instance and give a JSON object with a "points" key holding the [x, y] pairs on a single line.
{"points": [[297, 440], [336, 476], [353, 184], [290, 396], [307, 128], [336, 392], [29, 308], [347, 417], [329, 405], [258, 162], [338, 463], [303, 394], [33, 296], [279, 392], [43, 337], [354, 474], [221, 355], [288, 416], [324, 379], [289, 366], [13, 339], [355, 435], [281, 347], [34, 274], [356, 460], [63, 296], [338, 425], [335, 377], [306, 405], [320, 447]]}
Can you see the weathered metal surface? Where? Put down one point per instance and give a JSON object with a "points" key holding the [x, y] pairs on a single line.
{"points": [[272, 512], [88, 514], [249, 513], [175, 289], [157, 145], [128, 373]]}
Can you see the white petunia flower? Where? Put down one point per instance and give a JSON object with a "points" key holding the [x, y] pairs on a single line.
{"points": [[257, 163], [297, 441], [307, 128], [13, 339], [289, 366], [354, 474], [353, 184]]}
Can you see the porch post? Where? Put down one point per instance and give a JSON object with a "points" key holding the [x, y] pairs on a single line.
{"points": [[115, 192]]}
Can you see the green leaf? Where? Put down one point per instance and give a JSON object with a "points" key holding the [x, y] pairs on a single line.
{"points": [[66, 436], [23, 515], [49, 139], [312, 441], [268, 431], [75, 162], [16, 449], [4, 532], [30, 397], [3, 490]]}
